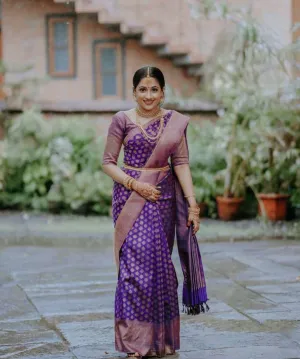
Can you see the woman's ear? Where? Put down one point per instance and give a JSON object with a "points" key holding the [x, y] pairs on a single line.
{"points": [[134, 93]]}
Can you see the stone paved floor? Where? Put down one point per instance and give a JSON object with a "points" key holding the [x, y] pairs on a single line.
{"points": [[57, 303]]}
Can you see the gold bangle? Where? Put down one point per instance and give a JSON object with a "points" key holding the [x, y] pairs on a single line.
{"points": [[130, 183], [194, 210], [192, 195], [126, 181]]}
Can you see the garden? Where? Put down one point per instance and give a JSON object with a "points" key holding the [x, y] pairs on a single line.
{"points": [[246, 164]]}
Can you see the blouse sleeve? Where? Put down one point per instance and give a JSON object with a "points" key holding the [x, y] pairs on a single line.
{"points": [[114, 140], [181, 154]]}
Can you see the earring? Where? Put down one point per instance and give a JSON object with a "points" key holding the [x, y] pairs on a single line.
{"points": [[162, 102]]}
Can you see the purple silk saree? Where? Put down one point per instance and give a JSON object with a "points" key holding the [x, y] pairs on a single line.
{"points": [[146, 302]]}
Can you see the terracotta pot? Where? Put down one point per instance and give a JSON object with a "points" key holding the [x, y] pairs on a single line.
{"points": [[203, 209], [228, 207], [274, 205]]}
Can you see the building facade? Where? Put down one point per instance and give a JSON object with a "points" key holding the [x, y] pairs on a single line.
{"points": [[88, 50]]}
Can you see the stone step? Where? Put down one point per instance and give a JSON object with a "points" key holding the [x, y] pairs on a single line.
{"points": [[108, 15], [106, 18], [131, 30], [90, 6], [173, 51], [154, 41], [191, 59], [63, 1], [194, 70]]}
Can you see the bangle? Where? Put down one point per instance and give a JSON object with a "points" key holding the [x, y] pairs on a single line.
{"points": [[130, 183], [194, 210], [126, 181], [192, 195]]}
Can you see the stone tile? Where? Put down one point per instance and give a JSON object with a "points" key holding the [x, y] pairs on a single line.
{"points": [[98, 352], [229, 316], [62, 277], [288, 259], [293, 332], [5, 278], [23, 326], [275, 309], [265, 265], [237, 296], [276, 316], [99, 332], [254, 277], [36, 351], [74, 304], [250, 352], [14, 305], [68, 288], [58, 259], [283, 298], [295, 307], [288, 288], [66, 355], [224, 340], [29, 337], [217, 306]]}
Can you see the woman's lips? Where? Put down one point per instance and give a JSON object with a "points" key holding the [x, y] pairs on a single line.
{"points": [[148, 103]]}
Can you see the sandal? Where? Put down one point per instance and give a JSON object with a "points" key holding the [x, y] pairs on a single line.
{"points": [[134, 355]]}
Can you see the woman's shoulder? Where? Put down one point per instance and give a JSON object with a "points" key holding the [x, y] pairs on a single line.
{"points": [[125, 115], [181, 116]]}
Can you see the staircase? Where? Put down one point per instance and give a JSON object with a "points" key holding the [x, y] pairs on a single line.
{"points": [[122, 15]]}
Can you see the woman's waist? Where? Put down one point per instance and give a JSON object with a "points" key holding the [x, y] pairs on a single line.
{"points": [[134, 167]]}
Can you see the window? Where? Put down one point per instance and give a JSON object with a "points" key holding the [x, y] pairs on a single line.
{"points": [[61, 46], [108, 63]]}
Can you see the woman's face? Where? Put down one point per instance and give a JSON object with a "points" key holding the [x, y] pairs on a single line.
{"points": [[148, 94]]}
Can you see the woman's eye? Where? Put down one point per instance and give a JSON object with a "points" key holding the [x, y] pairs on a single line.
{"points": [[154, 90]]}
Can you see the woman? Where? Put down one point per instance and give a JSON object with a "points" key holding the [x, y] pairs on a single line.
{"points": [[151, 199]]}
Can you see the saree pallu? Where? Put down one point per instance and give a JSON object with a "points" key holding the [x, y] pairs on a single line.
{"points": [[146, 302]]}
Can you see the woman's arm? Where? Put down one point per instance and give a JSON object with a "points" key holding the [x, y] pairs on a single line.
{"points": [[115, 136], [180, 162], [114, 140], [114, 172], [184, 176]]}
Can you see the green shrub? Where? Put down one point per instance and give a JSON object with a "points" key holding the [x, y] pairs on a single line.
{"points": [[206, 161], [53, 165]]}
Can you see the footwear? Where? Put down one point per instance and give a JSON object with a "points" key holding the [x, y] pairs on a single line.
{"points": [[134, 355]]}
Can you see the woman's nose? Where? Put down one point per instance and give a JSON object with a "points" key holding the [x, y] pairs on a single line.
{"points": [[148, 94]]}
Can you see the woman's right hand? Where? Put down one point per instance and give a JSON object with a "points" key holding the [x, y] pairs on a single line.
{"points": [[146, 190]]}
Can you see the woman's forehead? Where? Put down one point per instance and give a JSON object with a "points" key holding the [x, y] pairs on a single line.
{"points": [[149, 82]]}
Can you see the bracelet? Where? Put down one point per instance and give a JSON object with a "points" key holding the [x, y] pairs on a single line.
{"points": [[192, 195], [194, 210], [130, 183], [126, 181]]}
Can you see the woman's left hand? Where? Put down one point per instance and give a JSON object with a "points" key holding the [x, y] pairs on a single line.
{"points": [[194, 219]]}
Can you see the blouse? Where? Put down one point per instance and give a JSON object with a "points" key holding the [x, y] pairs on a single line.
{"points": [[119, 129]]}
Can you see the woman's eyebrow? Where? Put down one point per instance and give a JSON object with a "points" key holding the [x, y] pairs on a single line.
{"points": [[148, 87]]}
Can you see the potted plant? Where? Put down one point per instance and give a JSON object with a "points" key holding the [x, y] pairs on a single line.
{"points": [[274, 166], [247, 72], [231, 135]]}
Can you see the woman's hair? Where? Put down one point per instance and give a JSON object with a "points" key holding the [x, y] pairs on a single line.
{"points": [[148, 71]]}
